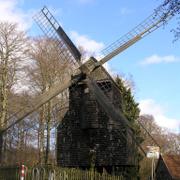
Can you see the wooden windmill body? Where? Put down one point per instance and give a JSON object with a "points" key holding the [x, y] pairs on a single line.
{"points": [[87, 136]]}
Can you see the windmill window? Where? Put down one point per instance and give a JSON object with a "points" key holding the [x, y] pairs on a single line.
{"points": [[105, 85]]}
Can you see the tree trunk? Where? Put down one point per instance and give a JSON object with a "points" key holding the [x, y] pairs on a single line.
{"points": [[3, 95], [41, 134], [3, 105], [1, 147], [48, 132]]}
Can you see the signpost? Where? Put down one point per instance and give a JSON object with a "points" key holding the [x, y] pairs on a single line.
{"points": [[153, 153]]}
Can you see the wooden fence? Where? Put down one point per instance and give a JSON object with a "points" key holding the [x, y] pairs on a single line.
{"points": [[53, 173]]}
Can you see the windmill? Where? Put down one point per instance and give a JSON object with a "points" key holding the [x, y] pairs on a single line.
{"points": [[93, 83]]}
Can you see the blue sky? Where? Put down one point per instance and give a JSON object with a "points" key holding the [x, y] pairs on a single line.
{"points": [[153, 62]]}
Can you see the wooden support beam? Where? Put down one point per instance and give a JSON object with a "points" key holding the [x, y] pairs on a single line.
{"points": [[115, 114]]}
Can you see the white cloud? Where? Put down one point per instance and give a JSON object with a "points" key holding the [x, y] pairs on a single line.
{"points": [[156, 59], [91, 46], [149, 106], [10, 12]]}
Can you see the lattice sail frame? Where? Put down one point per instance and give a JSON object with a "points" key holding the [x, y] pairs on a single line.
{"points": [[52, 29], [160, 16]]}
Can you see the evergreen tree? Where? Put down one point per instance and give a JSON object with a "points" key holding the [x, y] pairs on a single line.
{"points": [[129, 108]]}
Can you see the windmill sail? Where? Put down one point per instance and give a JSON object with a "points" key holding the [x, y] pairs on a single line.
{"points": [[57, 89], [44, 98], [150, 24], [53, 30]]}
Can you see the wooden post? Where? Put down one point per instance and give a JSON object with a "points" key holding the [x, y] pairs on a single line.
{"points": [[1, 146]]}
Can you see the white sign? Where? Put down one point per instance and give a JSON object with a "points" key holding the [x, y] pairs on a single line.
{"points": [[153, 152]]}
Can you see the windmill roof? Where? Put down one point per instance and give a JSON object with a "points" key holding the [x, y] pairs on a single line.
{"points": [[100, 74], [172, 163]]}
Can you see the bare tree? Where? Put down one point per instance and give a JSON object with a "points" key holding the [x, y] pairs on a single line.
{"points": [[12, 52], [173, 7], [45, 70], [168, 141]]}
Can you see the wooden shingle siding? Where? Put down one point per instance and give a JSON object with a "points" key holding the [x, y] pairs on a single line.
{"points": [[86, 128]]}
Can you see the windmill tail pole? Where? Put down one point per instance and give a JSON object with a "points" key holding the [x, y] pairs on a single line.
{"points": [[111, 111]]}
